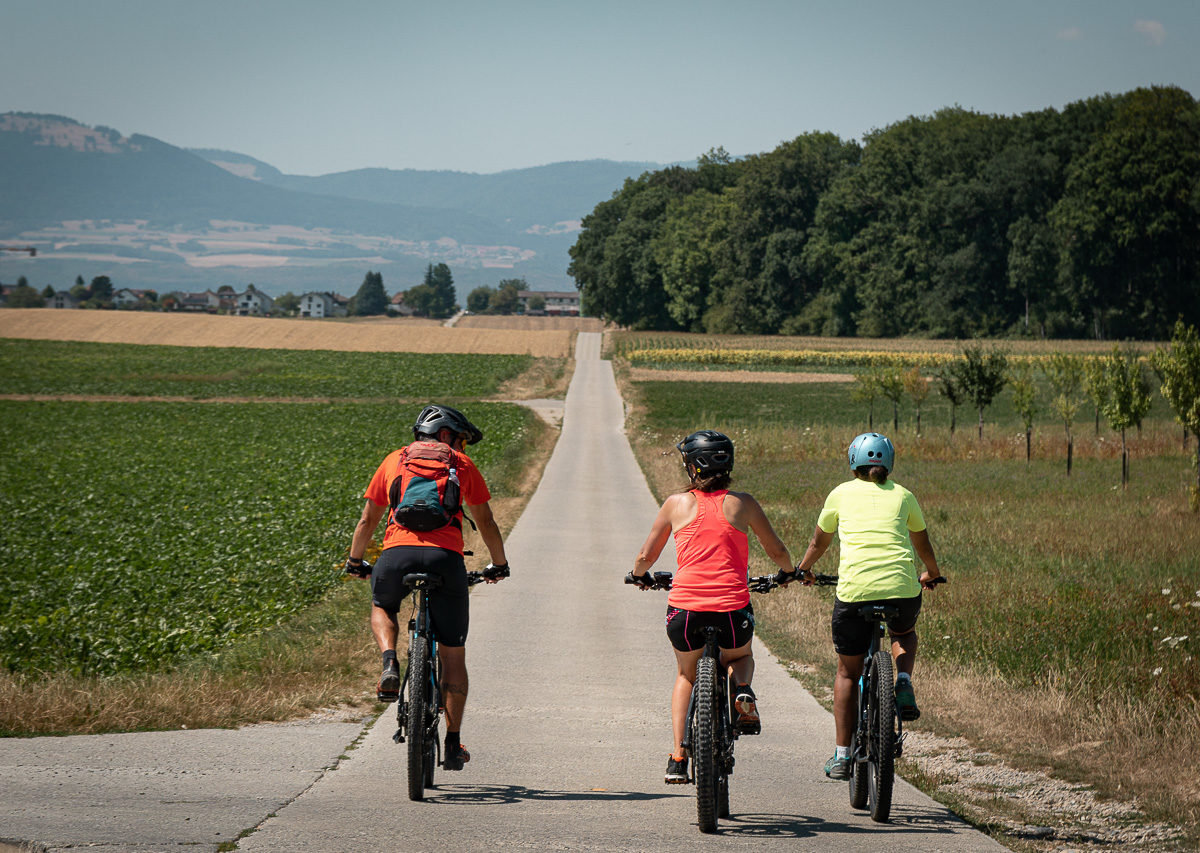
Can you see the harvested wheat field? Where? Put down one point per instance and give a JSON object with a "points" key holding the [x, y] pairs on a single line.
{"points": [[208, 330], [531, 324], [647, 374]]}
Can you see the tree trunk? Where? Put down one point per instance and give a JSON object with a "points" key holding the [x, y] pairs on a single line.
{"points": [[1028, 452], [1185, 439], [895, 418], [981, 423], [918, 422], [953, 409], [1124, 462], [1070, 450], [1097, 420], [871, 418]]}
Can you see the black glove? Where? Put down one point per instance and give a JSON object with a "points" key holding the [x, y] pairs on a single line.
{"points": [[782, 577], [646, 581], [357, 568], [494, 572]]}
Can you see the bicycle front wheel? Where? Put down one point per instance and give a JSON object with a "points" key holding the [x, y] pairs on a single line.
{"points": [[419, 744], [882, 737], [705, 744]]}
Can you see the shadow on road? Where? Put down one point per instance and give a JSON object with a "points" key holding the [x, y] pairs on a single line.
{"points": [[491, 795], [909, 821]]}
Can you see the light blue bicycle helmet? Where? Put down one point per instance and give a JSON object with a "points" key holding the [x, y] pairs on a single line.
{"points": [[871, 448]]}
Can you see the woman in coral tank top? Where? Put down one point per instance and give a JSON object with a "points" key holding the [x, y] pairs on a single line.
{"points": [[710, 525]]}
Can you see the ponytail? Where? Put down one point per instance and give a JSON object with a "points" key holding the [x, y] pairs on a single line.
{"points": [[875, 473]]}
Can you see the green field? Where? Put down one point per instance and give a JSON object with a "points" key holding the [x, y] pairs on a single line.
{"points": [[142, 534], [65, 367]]}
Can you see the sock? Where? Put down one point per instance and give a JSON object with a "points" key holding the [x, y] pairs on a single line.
{"points": [[904, 676], [389, 657], [452, 741], [841, 752]]}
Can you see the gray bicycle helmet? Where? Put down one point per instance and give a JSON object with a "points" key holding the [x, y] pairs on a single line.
{"points": [[433, 419], [708, 452], [871, 448]]}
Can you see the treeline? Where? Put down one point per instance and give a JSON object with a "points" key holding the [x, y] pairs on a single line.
{"points": [[1083, 222]]}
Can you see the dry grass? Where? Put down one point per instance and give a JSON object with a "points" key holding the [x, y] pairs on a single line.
{"points": [[530, 324], [207, 330]]}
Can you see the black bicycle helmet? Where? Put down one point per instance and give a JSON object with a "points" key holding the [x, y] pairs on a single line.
{"points": [[708, 452], [433, 419]]}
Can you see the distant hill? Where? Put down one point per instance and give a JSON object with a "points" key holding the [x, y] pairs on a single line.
{"points": [[148, 213]]}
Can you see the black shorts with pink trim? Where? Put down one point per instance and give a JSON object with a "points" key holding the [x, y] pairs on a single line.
{"points": [[685, 628]]}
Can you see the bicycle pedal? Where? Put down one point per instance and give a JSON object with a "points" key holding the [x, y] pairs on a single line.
{"points": [[754, 728], [398, 737]]}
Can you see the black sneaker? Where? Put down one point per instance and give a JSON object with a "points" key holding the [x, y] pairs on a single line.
{"points": [[389, 683], [456, 758], [906, 701], [677, 773], [746, 706], [838, 768]]}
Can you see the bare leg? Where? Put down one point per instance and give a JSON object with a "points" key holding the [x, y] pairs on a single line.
{"points": [[454, 684], [845, 695], [904, 650], [385, 628], [740, 663], [682, 694]]}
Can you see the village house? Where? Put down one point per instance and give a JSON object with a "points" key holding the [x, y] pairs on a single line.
{"points": [[317, 304], [206, 301], [63, 299], [558, 303], [397, 306], [129, 298], [254, 302]]}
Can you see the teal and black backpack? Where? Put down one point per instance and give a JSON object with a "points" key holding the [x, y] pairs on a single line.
{"points": [[425, 494]]}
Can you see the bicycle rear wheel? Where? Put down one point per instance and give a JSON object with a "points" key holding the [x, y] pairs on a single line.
{"points": [[882, 737], [704, 744], [860, 768], [419, 742]]}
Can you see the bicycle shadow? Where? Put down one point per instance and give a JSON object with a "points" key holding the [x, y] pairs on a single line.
{"points": [[908, 820], [480, 795]]}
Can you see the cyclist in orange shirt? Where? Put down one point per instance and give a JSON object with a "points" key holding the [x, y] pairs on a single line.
{"points": [[710, 525], [438, 551]]}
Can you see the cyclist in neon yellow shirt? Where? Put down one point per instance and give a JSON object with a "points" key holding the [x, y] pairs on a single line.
{"points": [[880, 526]]}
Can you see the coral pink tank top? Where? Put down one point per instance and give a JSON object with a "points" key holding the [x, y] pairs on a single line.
{"points": [[713, 558]]}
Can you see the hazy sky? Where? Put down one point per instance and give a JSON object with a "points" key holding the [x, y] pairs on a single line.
{"points": [[316, 87]]}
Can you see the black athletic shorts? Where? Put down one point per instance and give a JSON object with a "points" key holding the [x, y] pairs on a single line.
{"points": [[685, 627], [852, 634], [447, 604]]}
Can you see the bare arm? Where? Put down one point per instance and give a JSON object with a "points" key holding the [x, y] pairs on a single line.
{"points": [[660, 531], [924, 549], [817, 546], [489, 531], [761, 525], [365, 529]]}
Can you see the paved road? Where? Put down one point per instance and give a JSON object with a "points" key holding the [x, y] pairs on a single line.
{"points": [[567, 718]]}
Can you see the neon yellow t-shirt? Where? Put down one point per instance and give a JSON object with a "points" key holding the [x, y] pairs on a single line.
{"points": [[873, 521]]}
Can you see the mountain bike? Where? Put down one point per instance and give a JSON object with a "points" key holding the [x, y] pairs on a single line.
{"points": [[420, 705], [711, 724], [878, 738]]}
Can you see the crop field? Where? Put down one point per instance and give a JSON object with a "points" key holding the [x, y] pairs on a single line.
{"points": [[1069, 633], [69, 367], [141, 535], [530, 324], [349, 335]]}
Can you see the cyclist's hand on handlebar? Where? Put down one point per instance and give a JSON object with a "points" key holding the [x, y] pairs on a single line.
{"points": [[930, 581], [357, 568], [494, 573], [783, 578], [642, 582]]}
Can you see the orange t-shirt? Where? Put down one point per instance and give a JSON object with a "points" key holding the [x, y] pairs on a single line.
{"points": [[713, 558], [474, 492]]}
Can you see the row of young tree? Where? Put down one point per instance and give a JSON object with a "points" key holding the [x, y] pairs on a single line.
{"points": [[1079, 222], [97, 294], [1117, 386], [503, 298], [433, 297]]}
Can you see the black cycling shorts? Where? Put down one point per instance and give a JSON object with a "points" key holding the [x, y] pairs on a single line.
{"points": [[448, 613], [852, 634], [685, 628]]}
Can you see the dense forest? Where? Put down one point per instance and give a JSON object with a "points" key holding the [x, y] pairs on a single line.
{"points": [[1080, 222]]}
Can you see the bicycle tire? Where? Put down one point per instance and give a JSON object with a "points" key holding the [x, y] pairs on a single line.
{"points": [[433, 709], [418, 715], [725, 745], [860, 770], [883, 737], [704, 744]]}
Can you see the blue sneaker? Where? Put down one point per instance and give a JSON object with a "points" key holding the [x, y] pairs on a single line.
{"points": [[838, 768]]}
